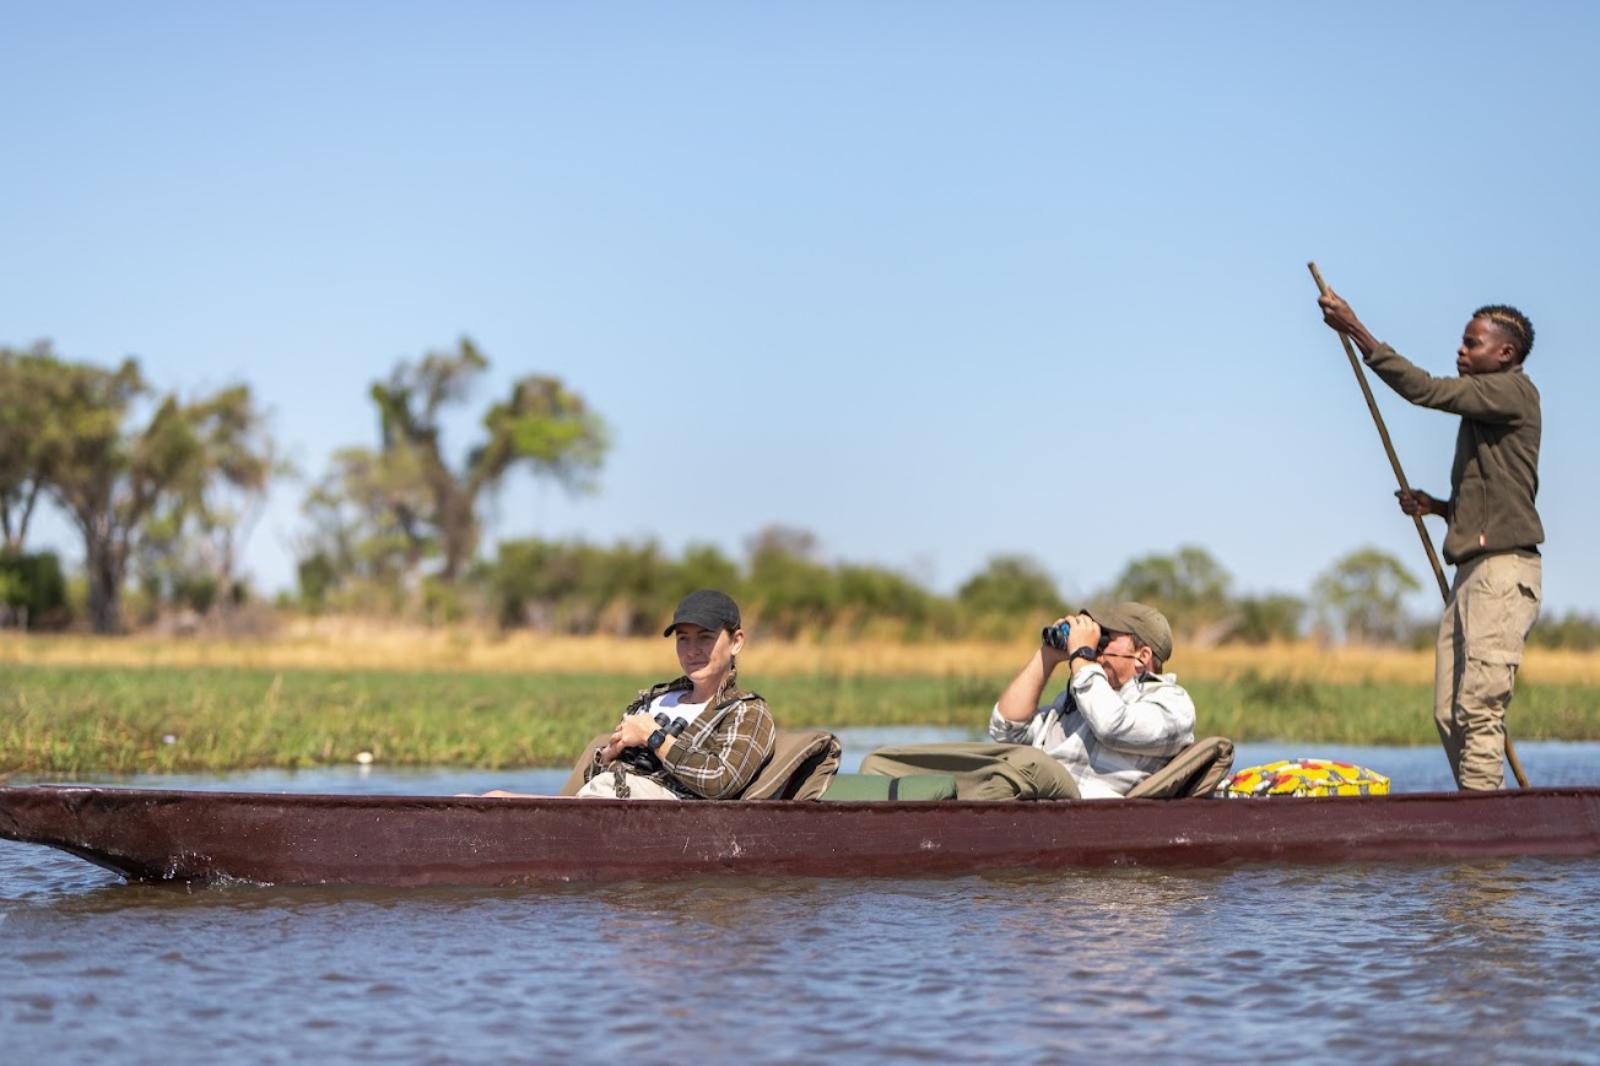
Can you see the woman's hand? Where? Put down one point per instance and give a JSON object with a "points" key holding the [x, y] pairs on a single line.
{"points": [[634, 730]]}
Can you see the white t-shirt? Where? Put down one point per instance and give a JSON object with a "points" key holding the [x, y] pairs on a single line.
{"points": [[671, 704]]}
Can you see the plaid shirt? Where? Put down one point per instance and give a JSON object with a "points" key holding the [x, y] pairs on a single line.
{"points": [[720, 752]]}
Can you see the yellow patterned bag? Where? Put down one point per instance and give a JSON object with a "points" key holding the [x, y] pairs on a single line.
{"points": [[1304, 777]]}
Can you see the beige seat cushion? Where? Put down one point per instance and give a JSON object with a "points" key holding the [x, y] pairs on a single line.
{"points": [[575, 779], [802, 764], [1195, 771]]}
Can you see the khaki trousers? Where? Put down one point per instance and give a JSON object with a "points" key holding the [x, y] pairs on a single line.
{"points": [[982, 771], [603, 785], [1493, 604]]}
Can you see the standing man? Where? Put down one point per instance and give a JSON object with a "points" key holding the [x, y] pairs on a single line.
{"points": [[1493, 528]]}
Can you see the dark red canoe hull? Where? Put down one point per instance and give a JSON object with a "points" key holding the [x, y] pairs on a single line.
{"points": [[286, 839]]}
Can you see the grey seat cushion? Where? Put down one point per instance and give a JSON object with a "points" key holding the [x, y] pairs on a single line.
{"points": [[1195, 771]]}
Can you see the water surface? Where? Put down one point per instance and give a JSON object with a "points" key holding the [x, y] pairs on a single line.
{"points": [[1471, 963]]}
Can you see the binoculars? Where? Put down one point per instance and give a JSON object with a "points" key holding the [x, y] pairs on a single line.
{"points": [[1056, 637], [643, 759]]}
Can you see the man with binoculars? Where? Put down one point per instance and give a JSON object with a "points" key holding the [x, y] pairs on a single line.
{"points": [[1118, 720]]}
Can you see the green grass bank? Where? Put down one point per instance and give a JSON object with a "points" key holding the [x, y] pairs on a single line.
{"points": [[121, 719]]}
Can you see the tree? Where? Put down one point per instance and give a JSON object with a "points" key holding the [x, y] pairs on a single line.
{"points": [[1190, 587], [32, 590], [29, 443], [874, 595], [792, 590], [365, 522], [1263, 619], [1010, 585], [542, 426], [190, 543], [111, 477], [108, 479], [1362, 595], [628, 588], [1578, 632], [703, 566]]}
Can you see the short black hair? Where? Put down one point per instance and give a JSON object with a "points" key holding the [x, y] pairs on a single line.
{"points": [[1512, 323]]}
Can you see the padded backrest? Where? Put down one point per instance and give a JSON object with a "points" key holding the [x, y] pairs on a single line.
{"points": [[1195, 771], [802, 764]]}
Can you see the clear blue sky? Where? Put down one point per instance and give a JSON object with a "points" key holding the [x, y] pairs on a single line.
{"points": [[934, 280]]}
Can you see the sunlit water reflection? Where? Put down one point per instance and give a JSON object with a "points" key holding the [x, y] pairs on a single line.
{"points": [[1488, 962]]}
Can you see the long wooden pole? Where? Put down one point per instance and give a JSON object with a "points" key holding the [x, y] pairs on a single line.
{"points": [[1405, 486]]}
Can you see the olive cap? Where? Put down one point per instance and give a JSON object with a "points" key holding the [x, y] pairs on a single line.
{"points": [[1147, 625]]}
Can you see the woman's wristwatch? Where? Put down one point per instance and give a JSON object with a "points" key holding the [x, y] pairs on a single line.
{"points": [[656, 740]]}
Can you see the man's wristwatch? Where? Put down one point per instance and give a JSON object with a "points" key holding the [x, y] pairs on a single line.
{"points": [[656, 740], [1082, 653]]}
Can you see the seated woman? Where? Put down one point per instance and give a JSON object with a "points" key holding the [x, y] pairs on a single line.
{"points": [[717, 736]]}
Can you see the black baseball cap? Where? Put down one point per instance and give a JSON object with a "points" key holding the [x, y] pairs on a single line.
{"points": [[708, 609]]}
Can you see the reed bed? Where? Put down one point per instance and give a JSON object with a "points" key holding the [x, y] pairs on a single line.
{"points": [[113, 718], [332, 645]]}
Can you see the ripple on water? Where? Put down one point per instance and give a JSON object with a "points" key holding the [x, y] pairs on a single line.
{"points": [[42, 958], [1463, 963]]}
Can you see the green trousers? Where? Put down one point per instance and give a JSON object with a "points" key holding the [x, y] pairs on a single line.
{"points": [[982, 771]]}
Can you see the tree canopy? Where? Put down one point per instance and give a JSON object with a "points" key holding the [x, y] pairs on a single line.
{"points": [[1008, 584], [380, 514], [129, 467], [29, 450], [1362, 596], [1189, 586]]}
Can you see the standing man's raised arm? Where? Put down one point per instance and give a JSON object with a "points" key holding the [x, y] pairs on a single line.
{"points": [[1489, 397], [1337, 313]]}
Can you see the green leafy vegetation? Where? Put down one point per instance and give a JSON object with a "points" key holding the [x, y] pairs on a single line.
{"points": [[153, 484], [163, 491], [71, 720]]}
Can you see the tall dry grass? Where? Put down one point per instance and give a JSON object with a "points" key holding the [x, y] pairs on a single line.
{"points": [[322, 694], [346, 645]]}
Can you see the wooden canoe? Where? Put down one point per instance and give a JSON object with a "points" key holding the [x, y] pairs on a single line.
{"points": [[288, 839]]}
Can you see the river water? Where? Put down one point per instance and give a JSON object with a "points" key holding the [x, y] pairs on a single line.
{"points": [[1463, 962]]}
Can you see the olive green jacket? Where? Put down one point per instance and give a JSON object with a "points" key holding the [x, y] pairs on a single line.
{"points": [[1495, 475]]}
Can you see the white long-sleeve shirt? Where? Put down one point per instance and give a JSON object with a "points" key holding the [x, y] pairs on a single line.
{"points": [[1108, 739]]}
